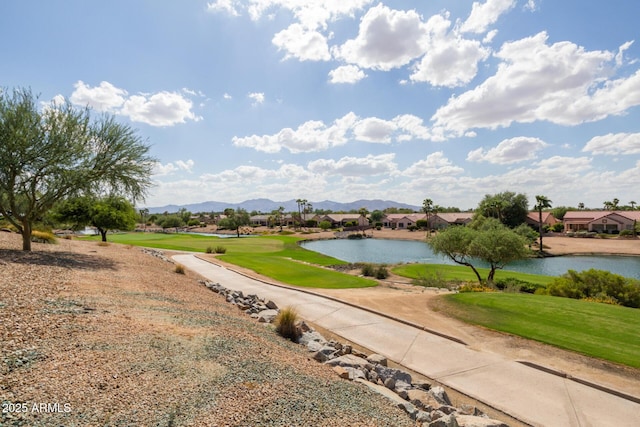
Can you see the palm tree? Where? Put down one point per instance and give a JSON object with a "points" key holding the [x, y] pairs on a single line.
{"points": [[633, 205], [581, 206], [542, 202], [427, 207]]}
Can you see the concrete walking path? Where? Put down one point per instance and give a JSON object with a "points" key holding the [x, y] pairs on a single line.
{"points": [[530, 395]]}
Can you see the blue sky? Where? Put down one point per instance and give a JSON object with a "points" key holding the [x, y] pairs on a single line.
{"points": [[349, 99]]}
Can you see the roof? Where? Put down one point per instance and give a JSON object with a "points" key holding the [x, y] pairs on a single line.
{"points": [[455, 217], [588, 216]]}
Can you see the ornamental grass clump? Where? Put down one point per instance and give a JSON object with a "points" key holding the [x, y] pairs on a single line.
{"points": [[286, 323], [179, 269], [42, 237]]}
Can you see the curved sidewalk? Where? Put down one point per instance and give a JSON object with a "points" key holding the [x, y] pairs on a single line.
{"points": [[530, 395]]}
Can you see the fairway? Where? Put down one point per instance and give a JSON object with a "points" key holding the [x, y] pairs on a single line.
{"points": [[464, 274], [278, 257], [594, 329]]}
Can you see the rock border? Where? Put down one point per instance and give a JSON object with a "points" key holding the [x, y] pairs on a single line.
{"points": [[426, 404]]}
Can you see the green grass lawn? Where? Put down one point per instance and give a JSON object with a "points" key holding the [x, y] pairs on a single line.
{"points": [[594, 329], [278, 257], [464, 274]]}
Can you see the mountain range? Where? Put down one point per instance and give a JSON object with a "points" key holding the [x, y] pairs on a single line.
{"points": [[267, 206]]}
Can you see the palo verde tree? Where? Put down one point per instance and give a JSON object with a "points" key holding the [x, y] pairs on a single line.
{"points": [[235, 219], [106, 214], [484, 239], [53, 153]]}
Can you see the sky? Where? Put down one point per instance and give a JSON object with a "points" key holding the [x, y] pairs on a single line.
{"points": [[351, 99]]}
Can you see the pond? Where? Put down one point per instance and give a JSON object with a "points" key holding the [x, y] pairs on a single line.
{"points": [[382, 251]]}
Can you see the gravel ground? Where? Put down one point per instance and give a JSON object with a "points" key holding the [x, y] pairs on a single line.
{"points": [[106, 335]]}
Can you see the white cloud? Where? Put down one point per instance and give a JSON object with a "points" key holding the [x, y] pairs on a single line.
{"points": [[614, 144], [485, 14], [310, 136], [450, 60], [104, 97], [373, 129], [531, 5], [387, 39], [371, 165], [434, 166], [227, 96], [315, 135], [303, 44], [561, 83], [159, 109], [173, 167], [509, 151], [257, 97], [228, 6], [346, 74]]}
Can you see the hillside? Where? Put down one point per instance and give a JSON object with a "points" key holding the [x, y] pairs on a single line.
{"points": [[108, 335]]}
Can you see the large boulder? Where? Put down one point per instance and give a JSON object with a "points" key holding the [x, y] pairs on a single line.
{"points": [[267, 316], [349, 360], [473, 421], [397, 375]]}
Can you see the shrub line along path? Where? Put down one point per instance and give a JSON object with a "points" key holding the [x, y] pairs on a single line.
{"points": [[530, 395]]}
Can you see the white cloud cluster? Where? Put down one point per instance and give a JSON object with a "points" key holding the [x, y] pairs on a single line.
{"points": [[158, 109], [509, 151], [614, 144], [561, 83], [257, 98], [346, 74], [171, 168], [302, 43], [356, 166], [315, 135], [485, 14]]}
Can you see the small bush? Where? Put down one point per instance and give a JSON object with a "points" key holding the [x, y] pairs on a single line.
{"points": [[512, 284], [42, 237], [220, 250], [354, 236], [368, 270], [286, 323], [469, 287], [179, 269], [434, 280], [597, 284], [209, 250], [382, 272]]}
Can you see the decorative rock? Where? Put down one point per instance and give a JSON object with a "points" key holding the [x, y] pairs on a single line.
{"points": [[422, 399], [377, 359], [446, 421], [324, 354], [304, 327], [472, 421], [309, 336], [424, 385], [348, 360], [423, 417], [342, 372], [272, 305], [314, 346], [267, 316], [385, 372], [355, 373], [390, 383], [346, 349], [409, 409], [440, 395]]}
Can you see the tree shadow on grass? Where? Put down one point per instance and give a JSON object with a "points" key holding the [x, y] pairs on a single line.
{"points": [[71, 260]]}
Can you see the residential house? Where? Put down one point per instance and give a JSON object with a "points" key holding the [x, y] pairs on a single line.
{"points": [[340, 220], [533, 219], [442, 220], [401, 221], [600, 221]]}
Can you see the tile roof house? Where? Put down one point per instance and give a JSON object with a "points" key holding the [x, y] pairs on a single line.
{"points": [[533, 219], [600, 221], [401, 220], [445, 219]]}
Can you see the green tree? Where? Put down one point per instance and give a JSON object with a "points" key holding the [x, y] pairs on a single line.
{"points": [[542, 202], [376, 216], [170, 221], [486, 239], [106, 214], [235, 219], [427, 207], [510, 208], [58, 152]]}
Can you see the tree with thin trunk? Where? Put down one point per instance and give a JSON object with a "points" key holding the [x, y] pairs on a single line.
{"points": [[633, 205], [427, 207], [542, 202], [50, 154]]}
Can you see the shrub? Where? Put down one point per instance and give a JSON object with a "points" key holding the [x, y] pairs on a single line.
{"points": [[368, 270], [511, 284], [412, 228], [354, 236], [325, 225], [382, 272], [557, 227], [597, 284], [285, 323], [209, 250], [179, 269], [434, 280], [474, 287], [220, 250], [42, 237]]}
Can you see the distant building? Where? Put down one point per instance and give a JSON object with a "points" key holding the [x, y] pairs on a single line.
{"points": [[600, 221]]}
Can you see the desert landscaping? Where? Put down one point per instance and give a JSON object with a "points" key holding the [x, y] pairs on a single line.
{"points": [[114, 336]]}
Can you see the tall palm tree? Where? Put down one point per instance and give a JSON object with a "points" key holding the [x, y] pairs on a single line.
{"points": [[542, 202], [633, 205], [581, 206], [427, 207]]}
